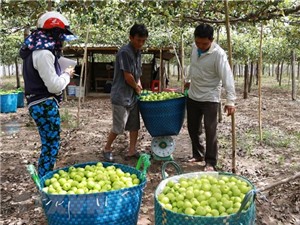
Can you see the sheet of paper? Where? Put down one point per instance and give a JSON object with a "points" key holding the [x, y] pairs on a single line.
{"points": [[65, 63]]}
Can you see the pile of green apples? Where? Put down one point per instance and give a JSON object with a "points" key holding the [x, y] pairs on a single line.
{"points": [[207, 195], [160, 96], [89, 179]]}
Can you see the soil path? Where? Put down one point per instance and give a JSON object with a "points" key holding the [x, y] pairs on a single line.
{"points": [[276, 158]]}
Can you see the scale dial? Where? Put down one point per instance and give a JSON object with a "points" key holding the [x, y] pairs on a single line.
{"points": [[163, 146]]}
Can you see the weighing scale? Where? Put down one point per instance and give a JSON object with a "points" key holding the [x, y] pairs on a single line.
{"points": [[163, 119], [162, 148]]}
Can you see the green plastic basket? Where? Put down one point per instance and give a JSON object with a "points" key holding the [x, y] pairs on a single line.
{"points": [[242, 217]]}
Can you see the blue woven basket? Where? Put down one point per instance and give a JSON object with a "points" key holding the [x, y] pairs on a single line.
{"points": [[20, 103], [166, 217], [9, 102], [163, 118], [120, 207]]}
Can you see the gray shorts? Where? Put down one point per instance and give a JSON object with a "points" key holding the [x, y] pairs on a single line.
{"points": [[125, 118]]}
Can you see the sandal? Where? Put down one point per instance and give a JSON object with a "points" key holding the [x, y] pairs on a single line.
{"points": [[108, 156], [134, 156], [192, 160], [209, 168]]}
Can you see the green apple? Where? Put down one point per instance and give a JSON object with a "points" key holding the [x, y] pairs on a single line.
{"points": [[200, 211], [47, 182], [66, 186], [189, 211]]}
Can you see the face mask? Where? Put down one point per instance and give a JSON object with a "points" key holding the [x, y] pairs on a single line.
{"points": [[200, 52]]}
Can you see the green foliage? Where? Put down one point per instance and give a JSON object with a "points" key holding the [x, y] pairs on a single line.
{"points": [[167, 21], [9, 90], [281, 159], [275, 139], [6, 91], [67, 119], [9, 45]]}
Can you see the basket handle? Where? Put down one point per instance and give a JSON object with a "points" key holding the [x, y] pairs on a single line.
{"points": [[248, 197], [145, 160], [34, 175], [174, 164]]}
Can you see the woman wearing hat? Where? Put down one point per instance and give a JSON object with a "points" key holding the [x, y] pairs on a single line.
{"points": [[44, 82]]}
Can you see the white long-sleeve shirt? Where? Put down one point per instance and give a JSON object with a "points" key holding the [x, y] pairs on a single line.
{"points": [[43, 61], [208, 73]]}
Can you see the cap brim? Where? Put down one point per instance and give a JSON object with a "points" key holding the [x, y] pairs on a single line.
{"points": [[68, 31]]}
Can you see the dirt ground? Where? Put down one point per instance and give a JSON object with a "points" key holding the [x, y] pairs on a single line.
{"points": [[277, 157]]}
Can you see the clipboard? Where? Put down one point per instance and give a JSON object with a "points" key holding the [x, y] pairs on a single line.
{"points": [[64, 63]]}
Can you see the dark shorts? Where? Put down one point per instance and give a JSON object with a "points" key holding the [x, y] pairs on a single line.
{"points": [[125, 118]]}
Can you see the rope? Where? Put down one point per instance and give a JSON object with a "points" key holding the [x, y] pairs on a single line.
{"points": [[174, 164]]}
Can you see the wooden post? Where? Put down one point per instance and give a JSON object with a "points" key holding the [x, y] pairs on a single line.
{"points": [[49, 5], [220, 118], [161, 78], [182, 75], [230, 63], [293, 74], [84, 60], [259, 74], [288, 179]]}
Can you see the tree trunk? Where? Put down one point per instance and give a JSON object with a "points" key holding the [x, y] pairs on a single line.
{"points": [[8, 70], [298, 75], [218, 34], [251, 77], [174, 69], [168, 70], [178, 72], [17, 73], [256, 73], [280, 74], [288, 74], [293, 74], [277, 71], [233, 70], [246, 81]]}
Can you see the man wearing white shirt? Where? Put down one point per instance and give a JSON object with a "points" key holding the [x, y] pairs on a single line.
{"points": [[209, 71]]}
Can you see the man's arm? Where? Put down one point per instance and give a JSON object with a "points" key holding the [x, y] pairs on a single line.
{"points": [[131, 81], [226, 75]]}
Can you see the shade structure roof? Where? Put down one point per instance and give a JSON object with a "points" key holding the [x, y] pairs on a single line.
{"points": [[78, 51]]}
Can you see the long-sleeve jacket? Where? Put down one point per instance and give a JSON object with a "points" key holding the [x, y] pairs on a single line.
{"points": [[42, 76], [208, 73]]}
